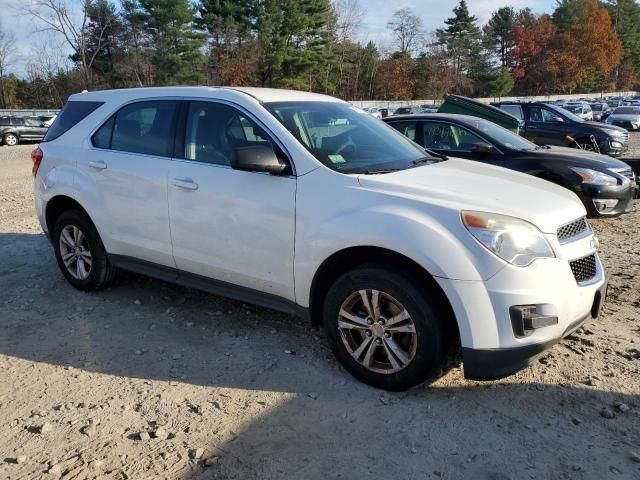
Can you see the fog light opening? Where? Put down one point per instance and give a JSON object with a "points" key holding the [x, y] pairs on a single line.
{"points": [[525, 319], [604, 206]]}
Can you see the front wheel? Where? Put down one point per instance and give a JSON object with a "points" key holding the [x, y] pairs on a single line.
{"points": [[10, 140], [385, 330]]}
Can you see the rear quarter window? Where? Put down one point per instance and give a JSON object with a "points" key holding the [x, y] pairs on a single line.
{"points": [[71, 114]]}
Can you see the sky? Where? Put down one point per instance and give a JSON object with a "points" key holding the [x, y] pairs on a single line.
{"points": [[377, 13]]}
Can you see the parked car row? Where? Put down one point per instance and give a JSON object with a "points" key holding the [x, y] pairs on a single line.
{"points": [[409, 257], [14, 130]]}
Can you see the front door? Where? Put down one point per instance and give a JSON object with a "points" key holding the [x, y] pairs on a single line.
{"points": [[229, 225], [543, 127]]}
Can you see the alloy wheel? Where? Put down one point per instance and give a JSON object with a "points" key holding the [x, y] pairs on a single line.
{"points": [[75, 252], [11, 140], [377, 331]]}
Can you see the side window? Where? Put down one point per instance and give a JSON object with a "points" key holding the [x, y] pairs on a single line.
{"points": [[214, 131], [5, 122], [539, 114], [408, 129], [444, 136], [102, 138], [71, 114], [145, 127]]}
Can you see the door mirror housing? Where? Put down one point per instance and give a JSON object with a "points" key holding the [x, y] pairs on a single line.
{"points": [[482, 147], [258, 158], [558, 120]]}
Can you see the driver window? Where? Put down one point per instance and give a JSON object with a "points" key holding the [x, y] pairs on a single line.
{"points": [[537, 114], [214, 131]]}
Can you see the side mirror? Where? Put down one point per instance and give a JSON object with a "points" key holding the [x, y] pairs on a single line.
{"points": [[558, 119], [482, 147], [258, 158]]}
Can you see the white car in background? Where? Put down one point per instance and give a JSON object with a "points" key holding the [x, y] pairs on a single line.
{"points": [[581, 109], [304, 203], [374, 112]]}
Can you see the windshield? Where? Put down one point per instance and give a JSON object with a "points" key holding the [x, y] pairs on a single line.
{"points": [[597, 107], [565, 113], [574, 108], [501, 135], [345, 138]]}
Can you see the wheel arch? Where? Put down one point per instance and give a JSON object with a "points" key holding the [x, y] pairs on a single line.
{"points": [[58, 205], [348, 258]]}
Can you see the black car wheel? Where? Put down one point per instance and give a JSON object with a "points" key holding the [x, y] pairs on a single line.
{"points": [[80, 253], [385, 330]]}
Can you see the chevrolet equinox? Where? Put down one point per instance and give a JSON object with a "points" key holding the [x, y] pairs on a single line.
{"points": [[303, 203]]}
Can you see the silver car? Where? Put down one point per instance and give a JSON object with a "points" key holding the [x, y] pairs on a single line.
{"points": [[625, 117]]}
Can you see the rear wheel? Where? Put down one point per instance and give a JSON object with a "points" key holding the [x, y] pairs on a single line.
{"points": [[10, 139], [80, 253], [384, 330]]}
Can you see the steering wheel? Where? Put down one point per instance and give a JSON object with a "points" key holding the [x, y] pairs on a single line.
{"points": [[347, 144]]}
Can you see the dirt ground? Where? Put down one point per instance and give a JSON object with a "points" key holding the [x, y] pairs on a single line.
{"points": [[237, 392]]}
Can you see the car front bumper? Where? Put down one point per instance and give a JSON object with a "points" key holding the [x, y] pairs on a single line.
{"points": [[492, 347], [602, 201], [491, 364]]}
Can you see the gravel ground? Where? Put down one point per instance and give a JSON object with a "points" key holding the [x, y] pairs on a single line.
{"points": [[148, 380]]}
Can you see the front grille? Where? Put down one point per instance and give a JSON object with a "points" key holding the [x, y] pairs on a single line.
{"points": [[584, 269], [629, 174], [572, 229]]}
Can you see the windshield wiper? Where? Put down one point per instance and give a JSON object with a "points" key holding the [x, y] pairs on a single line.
{"points": [[379, 171]]}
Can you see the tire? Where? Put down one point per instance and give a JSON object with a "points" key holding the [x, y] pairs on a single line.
{"points": [[84, 249], [10, 140], [426, 352]]}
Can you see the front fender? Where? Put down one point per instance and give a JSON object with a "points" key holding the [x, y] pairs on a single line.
{"points": [[432, 236]]}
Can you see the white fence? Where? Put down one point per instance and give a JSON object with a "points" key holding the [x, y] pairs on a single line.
{"points": [[27, 113], [543, 98]]}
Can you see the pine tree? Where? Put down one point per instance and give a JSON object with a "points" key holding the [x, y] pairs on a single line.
{"points": [[177, 46], [625, 15], [497, 31]]}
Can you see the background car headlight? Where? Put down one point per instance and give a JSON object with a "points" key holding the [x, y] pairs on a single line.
{"points": [[593, 177], [512, 239]]}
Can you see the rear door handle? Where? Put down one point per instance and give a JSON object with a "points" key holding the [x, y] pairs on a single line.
{"points": [[99, 164], [185, 183]]}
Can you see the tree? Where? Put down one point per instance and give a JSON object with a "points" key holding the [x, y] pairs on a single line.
{"points": [[568, 13], [176, 45], [497, 31], [6, 57], [407, 30], [532, 53], [293, 37], [462, 43], [625, 15], [67, 18], [501, 83], [591, 50]]}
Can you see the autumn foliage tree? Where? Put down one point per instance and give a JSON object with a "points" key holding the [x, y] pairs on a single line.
{"points": [[591, 50]]}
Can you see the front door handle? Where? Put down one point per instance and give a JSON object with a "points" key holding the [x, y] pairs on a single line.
{"points": [[185, 183], [99, 164]]}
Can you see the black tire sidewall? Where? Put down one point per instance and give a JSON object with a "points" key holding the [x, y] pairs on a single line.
{"points": [[431, 353], [100, 263]]}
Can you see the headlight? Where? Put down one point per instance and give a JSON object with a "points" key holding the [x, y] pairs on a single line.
{"points": [[512, 239], [592, 177]]}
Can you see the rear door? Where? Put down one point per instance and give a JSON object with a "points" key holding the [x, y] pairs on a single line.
{"points": [[128, 163], [233, 226]]}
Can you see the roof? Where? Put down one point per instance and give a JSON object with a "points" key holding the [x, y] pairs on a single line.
{"points": [[264, 95]]}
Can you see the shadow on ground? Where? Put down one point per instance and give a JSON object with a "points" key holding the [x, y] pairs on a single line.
{"points": [[305, 418]]}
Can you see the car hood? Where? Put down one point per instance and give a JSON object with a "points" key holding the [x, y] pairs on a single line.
{"points": [[466, 185], [602, 127], [582, 158], [630, 117]]}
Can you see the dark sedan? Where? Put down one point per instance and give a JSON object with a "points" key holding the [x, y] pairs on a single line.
{"points": [[605, 185]]}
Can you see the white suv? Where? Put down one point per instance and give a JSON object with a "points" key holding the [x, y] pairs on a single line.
{"points": [[303, 203]]}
